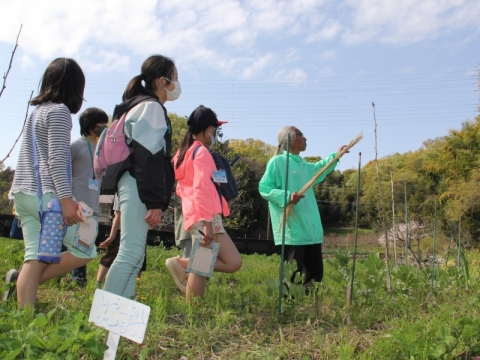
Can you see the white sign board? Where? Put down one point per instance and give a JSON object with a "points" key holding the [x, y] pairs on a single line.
{"points": [[119, 315]]}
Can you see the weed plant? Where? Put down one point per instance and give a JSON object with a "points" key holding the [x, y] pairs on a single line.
{"points": [[428, 314]]}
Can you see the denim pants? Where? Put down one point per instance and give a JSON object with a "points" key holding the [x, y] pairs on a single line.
{"points": [[122, 276]]}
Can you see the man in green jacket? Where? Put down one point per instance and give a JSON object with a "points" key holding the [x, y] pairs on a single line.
{"points": [[304, 231]]}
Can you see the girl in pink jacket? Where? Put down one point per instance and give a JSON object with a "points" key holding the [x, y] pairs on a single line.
{"points": [[202, 205]]}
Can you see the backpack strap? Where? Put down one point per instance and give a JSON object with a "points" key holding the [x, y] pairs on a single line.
{"points": [[195, 151], [126, 106], [130, 103]]}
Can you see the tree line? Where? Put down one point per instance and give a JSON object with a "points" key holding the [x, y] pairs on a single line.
{"points": [[439, 182]]}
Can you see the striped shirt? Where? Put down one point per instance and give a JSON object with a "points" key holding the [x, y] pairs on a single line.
{"points": [[52, 129]]}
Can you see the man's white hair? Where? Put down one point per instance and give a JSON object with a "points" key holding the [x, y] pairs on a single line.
{"points": [[283, 138]]}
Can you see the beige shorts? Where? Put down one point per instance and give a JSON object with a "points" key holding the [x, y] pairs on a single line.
{"points": [[217, 225]]}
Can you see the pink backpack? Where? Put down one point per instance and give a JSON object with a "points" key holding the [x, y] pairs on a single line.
{"points": [[112, 148]]}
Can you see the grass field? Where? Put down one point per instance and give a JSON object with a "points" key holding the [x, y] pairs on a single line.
{"points": [[429, 314]]}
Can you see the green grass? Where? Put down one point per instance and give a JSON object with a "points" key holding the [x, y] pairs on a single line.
{"points": [[238, 317], [346, 231]]}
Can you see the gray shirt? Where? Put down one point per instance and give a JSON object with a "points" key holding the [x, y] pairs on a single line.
{"points": [[82, 173]]}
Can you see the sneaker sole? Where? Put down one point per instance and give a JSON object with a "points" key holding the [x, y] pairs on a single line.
{"points": [[9, 288], [172, 272]]}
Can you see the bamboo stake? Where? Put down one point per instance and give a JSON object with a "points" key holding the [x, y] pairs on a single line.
{"points": [[393, 218], [352, 279], [282, 255], [322, 170], [382, 208]]}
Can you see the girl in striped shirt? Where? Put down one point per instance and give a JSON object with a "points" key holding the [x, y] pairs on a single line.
{"points": [[61, 94]]}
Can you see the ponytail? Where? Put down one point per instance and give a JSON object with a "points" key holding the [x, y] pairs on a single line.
{"points": [[184, 146], [135, 87], [154, 67], [283, 138]]}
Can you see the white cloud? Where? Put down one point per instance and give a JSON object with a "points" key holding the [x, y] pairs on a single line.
{"points": [[409, 21], [257, 65], [328, 54], [100, 60], [236, 37], [327, 31], [26, 62], [294, 76]]}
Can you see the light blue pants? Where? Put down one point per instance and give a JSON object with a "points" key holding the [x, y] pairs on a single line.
{"points": [[27, 208], [122, 276]]}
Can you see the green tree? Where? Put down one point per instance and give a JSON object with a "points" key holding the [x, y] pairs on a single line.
{"points": [[6, 178], [253, 149], [179, 128]]}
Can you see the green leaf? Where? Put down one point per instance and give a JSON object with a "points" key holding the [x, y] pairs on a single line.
{"points": [[297, 291], [51, 313], [13, 354], [40, 321], [88, 335], [4, 327], [37, 342], [10, 344], [66, 344], [450, 341], [79, 318], [96, 348], [54, 342], [271, 284], [437, 351]]}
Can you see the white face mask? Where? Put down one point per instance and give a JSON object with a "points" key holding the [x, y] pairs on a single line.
{"points": [[175, 93]]}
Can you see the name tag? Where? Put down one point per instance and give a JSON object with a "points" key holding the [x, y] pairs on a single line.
{"points": [[93, 184], [220, 176]]}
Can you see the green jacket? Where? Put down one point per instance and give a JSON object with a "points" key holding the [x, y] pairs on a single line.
{"points": [[304, 226]]}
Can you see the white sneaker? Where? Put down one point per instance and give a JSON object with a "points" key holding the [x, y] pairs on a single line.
{"points": [[10, 277], [178, 273]]}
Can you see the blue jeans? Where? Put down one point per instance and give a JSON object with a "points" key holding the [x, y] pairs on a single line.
{"points": [[122, 276]]}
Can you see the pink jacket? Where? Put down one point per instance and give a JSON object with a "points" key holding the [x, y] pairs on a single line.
{"points": [[200, 198]]}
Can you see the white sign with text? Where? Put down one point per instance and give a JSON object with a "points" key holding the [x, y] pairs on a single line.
{"points": [[119, 315]]}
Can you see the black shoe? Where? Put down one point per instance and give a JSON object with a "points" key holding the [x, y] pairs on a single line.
{"points": [[10, 280]]}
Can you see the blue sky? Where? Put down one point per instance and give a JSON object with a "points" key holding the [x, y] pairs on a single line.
{"points": [[315, 64]]}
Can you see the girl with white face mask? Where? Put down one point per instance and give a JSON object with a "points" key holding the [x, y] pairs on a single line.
{"points": [[175, 93], [145, 179], [203, 207]]}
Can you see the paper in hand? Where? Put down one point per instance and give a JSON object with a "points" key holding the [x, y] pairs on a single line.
{"points": [[203, 258], [86, 230]]}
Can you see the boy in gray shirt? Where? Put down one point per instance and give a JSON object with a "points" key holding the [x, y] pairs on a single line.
{"points": [[85, 186]]}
